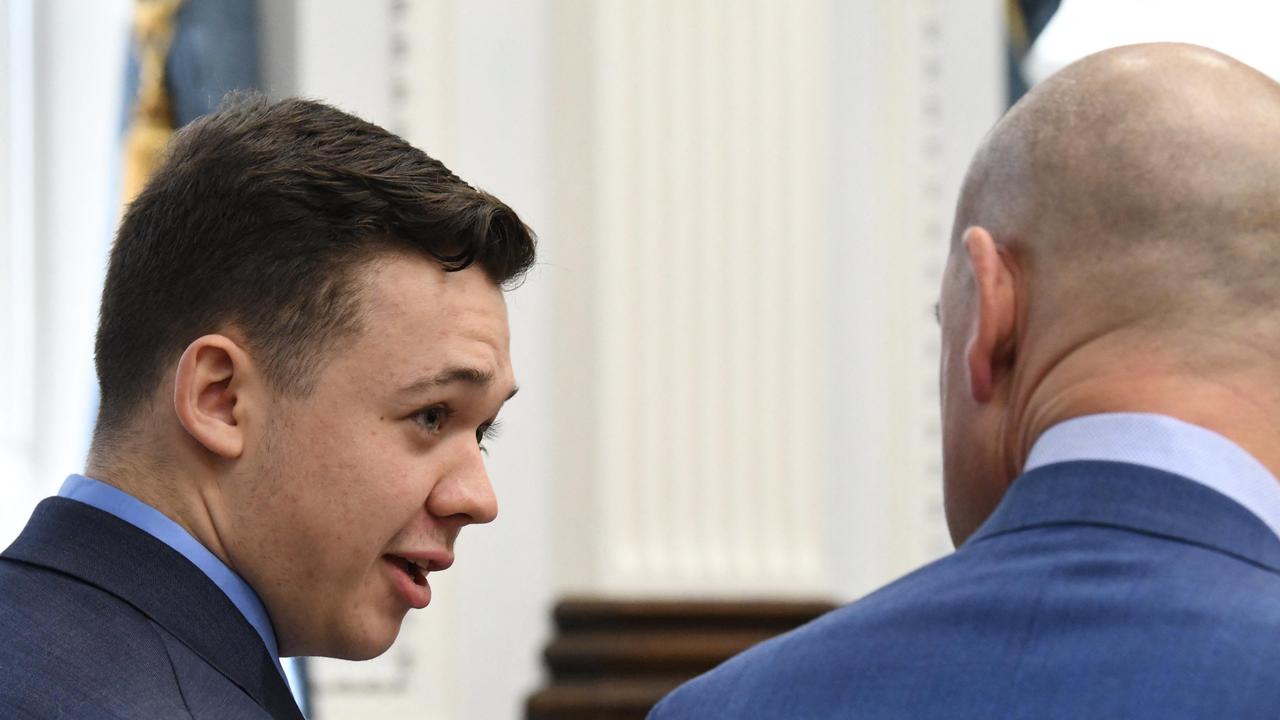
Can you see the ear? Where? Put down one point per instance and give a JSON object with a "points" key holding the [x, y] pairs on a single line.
{"points": [[991, 342], [208, 393]]}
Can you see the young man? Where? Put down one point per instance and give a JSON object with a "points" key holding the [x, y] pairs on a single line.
{"points": [[303, 342]]}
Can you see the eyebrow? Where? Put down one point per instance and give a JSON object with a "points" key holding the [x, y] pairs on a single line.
{"points": [[453, 376]]}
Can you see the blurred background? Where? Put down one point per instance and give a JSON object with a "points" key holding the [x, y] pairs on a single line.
{"points": [[727, 353]]}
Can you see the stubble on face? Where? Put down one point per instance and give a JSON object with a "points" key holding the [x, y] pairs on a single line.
{"points": [[348, 473]]}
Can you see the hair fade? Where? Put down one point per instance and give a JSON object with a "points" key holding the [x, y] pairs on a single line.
{"points": [[259, 217]]}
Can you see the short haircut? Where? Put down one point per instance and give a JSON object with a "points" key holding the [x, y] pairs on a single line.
{"points": [[259, 217]]}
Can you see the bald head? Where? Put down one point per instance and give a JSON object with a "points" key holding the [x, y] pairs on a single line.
{"points": [[1116, 249], [1148, 173]]}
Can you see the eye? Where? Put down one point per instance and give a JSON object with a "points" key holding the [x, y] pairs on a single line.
{"points": [[431, 419], [488, 431]]}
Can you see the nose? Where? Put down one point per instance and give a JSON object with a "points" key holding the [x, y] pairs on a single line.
{"points": [[464, 493]]}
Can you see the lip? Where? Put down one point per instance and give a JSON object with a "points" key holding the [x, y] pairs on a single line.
{"points": [[414, 595], [434, 560]]}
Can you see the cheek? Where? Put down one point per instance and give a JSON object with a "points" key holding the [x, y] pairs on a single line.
{"points": [[340, 491], [373, 490], [328, 497]]}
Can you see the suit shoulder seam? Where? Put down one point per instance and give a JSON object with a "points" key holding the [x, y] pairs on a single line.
{"points": [[173, 669]]}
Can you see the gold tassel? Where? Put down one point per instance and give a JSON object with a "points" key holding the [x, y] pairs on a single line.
{"points": [[1018, 36], [151, 119]]}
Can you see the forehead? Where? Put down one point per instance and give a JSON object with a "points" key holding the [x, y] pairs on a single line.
{"points": [[417, 319]]}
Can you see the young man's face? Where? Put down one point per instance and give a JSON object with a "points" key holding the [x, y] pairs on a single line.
{"points": [[379, 466]]}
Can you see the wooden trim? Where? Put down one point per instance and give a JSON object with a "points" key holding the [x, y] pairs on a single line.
{"points": [[614, 659]]}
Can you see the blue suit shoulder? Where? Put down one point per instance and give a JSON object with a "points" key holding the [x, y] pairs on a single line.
{"points": [[101, 619], [774, 677], [72, 650], [1067, 621]]}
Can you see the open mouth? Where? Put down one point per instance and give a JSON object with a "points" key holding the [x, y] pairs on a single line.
{"points": [[417, 573]]}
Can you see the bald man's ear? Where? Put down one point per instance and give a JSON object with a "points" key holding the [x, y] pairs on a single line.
{"points": [[989, 351], [208, 394]]}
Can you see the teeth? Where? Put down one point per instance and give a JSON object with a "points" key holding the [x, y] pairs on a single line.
{"points": [[417, 570]]}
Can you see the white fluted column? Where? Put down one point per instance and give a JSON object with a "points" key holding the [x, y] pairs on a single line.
{"points": [[755, 197], [706, 255]]}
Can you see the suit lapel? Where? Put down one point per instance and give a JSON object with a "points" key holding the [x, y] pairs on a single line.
{"points": [[111, 554], [1137, 498]]}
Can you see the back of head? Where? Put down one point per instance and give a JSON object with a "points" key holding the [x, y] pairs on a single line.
{"points": [[1116, 249], [1140, 183], [258, 219]]}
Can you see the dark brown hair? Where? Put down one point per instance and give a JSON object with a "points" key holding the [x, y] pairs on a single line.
{"points": [[259, 218]]}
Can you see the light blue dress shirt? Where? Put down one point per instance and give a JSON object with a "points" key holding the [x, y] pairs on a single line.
{"points": [[1168, 444], [154, 523]]}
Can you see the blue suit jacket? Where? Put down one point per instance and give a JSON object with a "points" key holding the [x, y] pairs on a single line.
{"points": [[1096, 590], [100, 620]]}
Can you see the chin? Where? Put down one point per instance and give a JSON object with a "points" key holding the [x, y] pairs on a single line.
{"points": [[367, 652], [369, 646], [351, 643]]}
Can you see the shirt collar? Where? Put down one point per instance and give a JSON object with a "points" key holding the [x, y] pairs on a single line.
{"points": [[151, 521], [1168, 444]]}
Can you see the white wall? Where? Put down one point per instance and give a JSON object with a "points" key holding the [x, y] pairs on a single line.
{"points": [[1244, 29], [62, 209], [914, 85], [17, 262]]}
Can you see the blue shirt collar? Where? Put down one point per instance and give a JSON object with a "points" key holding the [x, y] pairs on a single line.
{"points": [[1168, 444], [151, 521]]}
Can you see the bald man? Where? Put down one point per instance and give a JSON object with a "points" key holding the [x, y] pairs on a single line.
{"points": [[1111, 417]]}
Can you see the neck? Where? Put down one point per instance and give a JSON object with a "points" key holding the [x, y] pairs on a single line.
{"points": [[180, 496], [1239, 406]]}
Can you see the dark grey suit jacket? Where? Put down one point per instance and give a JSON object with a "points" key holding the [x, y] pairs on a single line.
{"points": [[100, 620]]}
